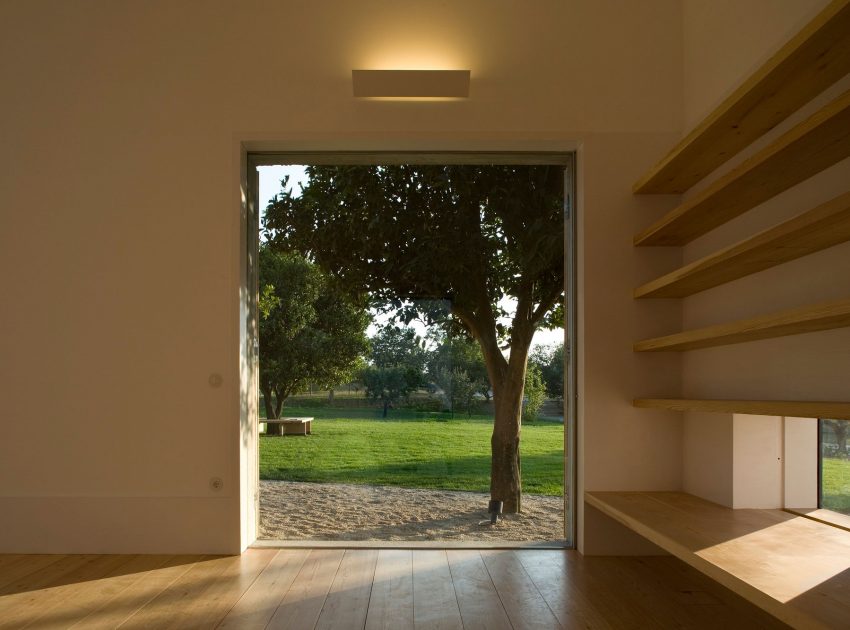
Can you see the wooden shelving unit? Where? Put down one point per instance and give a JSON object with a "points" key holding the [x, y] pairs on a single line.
{"points": [[793, 567], [793, 408], [810, 147], [824, 316], [812, 231], [810, 62]]}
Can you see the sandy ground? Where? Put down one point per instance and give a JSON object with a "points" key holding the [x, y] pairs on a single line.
{"points": [[292, 510]]}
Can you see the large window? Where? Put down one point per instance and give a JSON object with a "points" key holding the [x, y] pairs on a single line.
{"points": [[441, 273], [834, 460]]}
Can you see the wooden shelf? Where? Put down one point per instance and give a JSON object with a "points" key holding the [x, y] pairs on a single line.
{"points": [[793, 567], [793, 408], [812, 146], [812, 231], [824, 316], [804, 67]]}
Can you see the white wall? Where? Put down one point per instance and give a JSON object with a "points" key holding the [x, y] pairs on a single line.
{"points": [[707, 456], [725, 41], [119, 217]]}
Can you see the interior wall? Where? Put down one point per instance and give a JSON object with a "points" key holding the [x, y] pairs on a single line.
{"points": [[727, 40], [707, 456], [120, 201]]}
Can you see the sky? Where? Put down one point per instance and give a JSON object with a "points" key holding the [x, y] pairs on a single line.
{"points": [[270, 185]]}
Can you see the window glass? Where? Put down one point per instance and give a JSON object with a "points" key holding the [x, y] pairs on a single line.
{"points": [[834, 465]]}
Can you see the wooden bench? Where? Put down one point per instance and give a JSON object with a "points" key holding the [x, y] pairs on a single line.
{"points": [[292, 426], [796, 568]]}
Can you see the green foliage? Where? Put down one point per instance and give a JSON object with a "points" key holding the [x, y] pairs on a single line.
{"points": [[836, 484], [396, 369], [456, 368], [409, 451], [467, 235], [309, 331], [535, 393], [457, 389], [398, 346], [550, 362]]}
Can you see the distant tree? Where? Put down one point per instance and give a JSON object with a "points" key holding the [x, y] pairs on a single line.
{"points": [[456, 366], [309, 331], [396, 367], [841, 430], [535, 393], [470, 235], [550, 360], [457, 388]]}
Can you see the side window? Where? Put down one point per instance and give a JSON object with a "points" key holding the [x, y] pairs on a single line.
{"points": [[834, 465]]}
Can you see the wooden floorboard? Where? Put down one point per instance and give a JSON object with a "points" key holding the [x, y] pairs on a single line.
{"points": [[564, 587], [303, 603], [348, 601], [262, 598], [88, 597], [478, 601], [136, 594], [398, 589], [391, 600], [525, 606], [170, 608], [434, 600]]}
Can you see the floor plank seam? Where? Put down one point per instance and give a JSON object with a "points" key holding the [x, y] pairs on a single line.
{"points": [[371, 590], [330, 586], [496, 590], [288, 588], [247, 588], [160, 592], [536, 588]]}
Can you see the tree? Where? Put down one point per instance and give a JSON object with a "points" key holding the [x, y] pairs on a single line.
{"points": [[535, 393], [457, 389], [841, 430], [309, 330], [467, 235], [550, 360], [456, 367], [396, 369]]}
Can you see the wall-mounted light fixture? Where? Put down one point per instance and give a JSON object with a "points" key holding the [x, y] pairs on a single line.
{"points": [[411, 83]]}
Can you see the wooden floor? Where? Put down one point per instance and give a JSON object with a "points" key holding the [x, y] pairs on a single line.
{"points": [[365, 588]]}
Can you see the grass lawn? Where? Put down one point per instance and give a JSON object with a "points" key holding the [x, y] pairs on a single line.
{"points": [[836, 484], [409, 449]]}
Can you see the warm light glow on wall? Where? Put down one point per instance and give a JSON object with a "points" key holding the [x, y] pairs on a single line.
{"points": [[403, 55]]}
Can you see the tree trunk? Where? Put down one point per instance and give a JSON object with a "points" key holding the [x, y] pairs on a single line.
{"points": [[281, 398], [331, 395], [386, 406], [273, 412], [507, 380], [505, 469]]}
